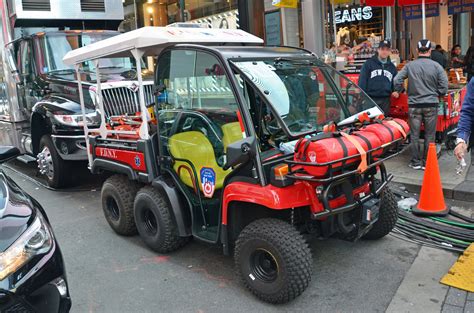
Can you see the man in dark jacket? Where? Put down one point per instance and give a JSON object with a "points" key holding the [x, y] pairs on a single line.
{"points": [[439, 55], [376, 77], [427, 81]]}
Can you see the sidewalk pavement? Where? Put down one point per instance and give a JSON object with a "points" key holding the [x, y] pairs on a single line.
{"points": [[421, 291], [459, 187]]}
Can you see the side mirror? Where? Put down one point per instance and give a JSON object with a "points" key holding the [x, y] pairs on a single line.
{"points": [[17, 77], [8, 152], [240, 151]]}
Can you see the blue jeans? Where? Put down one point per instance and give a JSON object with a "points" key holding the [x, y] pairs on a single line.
{"points": [[429, 116]]}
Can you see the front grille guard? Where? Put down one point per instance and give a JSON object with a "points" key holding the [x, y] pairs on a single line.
{"points": [[345, 170], [119, 101]]}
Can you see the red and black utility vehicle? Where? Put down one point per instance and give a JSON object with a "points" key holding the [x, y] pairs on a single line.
{"points": [[245, 146]]}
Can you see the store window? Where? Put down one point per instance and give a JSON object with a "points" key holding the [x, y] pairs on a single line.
{"points": [[354, 33], [212, 13]]}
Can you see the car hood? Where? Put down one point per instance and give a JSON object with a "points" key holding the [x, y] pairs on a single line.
{"points": [[16, 212]]}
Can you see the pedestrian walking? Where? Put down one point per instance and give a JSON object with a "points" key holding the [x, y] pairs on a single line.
{"points": [[469, 63], [376, 76], [466, 123], [427, 81], [439, 55]]}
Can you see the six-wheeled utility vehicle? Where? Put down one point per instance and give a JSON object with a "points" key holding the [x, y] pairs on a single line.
{"points": [[213, 157]]}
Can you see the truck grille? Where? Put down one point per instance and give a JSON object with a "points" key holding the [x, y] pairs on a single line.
{"points": [[123, 100]]}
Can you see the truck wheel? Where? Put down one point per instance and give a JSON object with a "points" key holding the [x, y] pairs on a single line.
{"points": [[50, 163], [273, 260], [388, 216], [155, 223], [118, 193]]}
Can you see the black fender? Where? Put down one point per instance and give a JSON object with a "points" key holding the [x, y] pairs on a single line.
{"points": [[43, 122], [40, 125], [180, 212]]}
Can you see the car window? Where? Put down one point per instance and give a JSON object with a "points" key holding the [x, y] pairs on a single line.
{"points": [[195, 85]]}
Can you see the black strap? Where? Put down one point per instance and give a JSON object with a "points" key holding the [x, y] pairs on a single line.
{"points": [[345, 152], [389, 130], [367, 141]]}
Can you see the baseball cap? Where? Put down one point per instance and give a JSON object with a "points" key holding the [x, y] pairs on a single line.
{"points": [[385, 44], [424, 45]]}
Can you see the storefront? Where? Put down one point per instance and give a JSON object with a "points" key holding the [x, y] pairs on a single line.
{"points": [[212, 13]]}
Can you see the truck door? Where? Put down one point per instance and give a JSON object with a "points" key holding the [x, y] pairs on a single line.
{"points": [[197, 120], [26, 94]]}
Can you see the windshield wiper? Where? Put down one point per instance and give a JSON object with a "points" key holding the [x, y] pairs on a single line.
{"points": [[68, 71], [109, 67], [294, 61]]}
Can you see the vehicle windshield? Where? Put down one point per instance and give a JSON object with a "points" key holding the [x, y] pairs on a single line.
{"points": [[54, 47], [305, 93]]}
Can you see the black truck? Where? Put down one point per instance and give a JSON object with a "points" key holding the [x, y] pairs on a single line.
{"points": [[39, 99]]}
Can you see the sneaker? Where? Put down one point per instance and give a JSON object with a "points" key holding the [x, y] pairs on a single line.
{"points": [[423, 165], [415, 166]]}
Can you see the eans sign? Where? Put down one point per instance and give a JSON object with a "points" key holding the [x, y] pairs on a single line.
{"points": [[353, 14]]}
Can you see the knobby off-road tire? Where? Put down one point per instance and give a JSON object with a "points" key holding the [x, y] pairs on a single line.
{"points": [[57, 175], [155, 223], [118, 194], [388, 216], [273, 260]]}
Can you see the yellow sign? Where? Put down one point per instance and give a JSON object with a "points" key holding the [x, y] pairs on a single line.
{"points": [[285, 3], [340, 1]]}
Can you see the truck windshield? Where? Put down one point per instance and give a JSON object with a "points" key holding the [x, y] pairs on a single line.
{"points": [[54, 48], [305, 93]]}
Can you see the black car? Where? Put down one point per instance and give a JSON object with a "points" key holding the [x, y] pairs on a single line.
{"points": [[32, 272]]}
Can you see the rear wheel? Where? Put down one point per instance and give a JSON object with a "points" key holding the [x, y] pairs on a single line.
{"points": [[388, 215], [155, 223], [50, 164], [273, 259], [118, 193]]}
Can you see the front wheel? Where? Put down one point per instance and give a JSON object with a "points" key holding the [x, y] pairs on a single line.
{"points": [[273, 259], [50, 163], [388, 215]]}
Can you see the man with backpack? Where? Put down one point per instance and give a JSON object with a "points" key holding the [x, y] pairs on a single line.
{"points": [[427, 81], [376, 76]]}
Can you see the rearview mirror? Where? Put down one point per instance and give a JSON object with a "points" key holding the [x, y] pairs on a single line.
{"points": [[8, 152], [157, 89], [240, 151]]}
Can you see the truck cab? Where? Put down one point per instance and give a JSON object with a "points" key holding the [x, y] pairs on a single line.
{"points": [[41, 112]]}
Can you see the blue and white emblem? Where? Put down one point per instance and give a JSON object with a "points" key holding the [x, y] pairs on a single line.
{"points": [[208, 181]]}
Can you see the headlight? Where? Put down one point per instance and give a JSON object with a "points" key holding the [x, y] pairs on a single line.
{"points": [[92, 119], [36, 240]]}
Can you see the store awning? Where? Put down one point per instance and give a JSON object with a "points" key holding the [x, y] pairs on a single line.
{"points": [[402, 3]]}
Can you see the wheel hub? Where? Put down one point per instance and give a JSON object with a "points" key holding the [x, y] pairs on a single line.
{"points": [[45, 163], [112, 208], [151, 224], [264, 265]]}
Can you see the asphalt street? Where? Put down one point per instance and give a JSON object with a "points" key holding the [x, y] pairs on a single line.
{"points": [[110, 273]]}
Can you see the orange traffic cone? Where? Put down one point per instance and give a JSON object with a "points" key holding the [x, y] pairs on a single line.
{"points": [[431, 197]]}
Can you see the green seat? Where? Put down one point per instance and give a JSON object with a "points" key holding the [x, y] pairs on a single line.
{"points": [[231, 133], [196, 148]]}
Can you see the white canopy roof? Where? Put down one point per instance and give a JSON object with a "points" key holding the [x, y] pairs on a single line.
{"points": [[151, 40]]}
